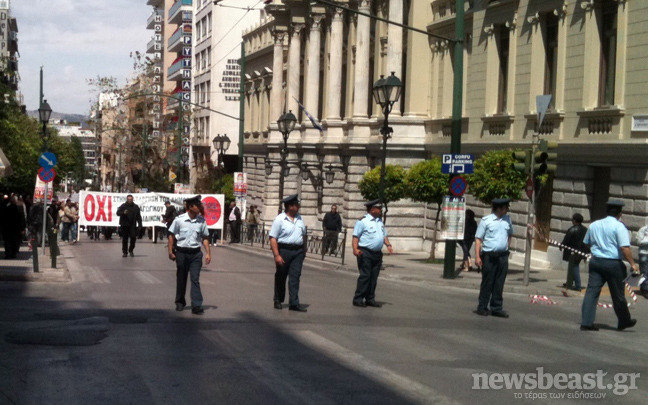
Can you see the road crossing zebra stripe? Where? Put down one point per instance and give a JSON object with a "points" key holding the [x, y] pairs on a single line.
{"points": [[146, 277]]}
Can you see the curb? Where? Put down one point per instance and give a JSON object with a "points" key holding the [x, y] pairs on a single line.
{"points": [[60, 274]]}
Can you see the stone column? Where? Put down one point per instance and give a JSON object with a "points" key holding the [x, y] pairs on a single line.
{"points": [[277, 95], [395, 45], [363, 39], [294, 68], [313, 84], [335, 66]]}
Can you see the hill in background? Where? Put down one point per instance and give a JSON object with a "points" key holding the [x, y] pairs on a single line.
{"points": [[60, 116]]}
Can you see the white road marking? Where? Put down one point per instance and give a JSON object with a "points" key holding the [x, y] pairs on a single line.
{"points": [[413, 390], [146, 277], [96, 276]]}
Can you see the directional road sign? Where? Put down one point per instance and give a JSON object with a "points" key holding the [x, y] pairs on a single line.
{"points": [[456, 164], [47, 160], [46, 175], [457, 186]]}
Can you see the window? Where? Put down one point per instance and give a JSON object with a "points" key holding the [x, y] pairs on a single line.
{"points": [[608, 36], [206, 133], [204, 59], [204, 27], [209, 56], [208, 89], [551, 56], [197, 30], [503, 42], [209, 22]]}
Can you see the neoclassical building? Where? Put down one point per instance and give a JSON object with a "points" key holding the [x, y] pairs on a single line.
{"points": [[588, 54]]}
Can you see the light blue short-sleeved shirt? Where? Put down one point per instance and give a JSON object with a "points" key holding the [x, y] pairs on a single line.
{"points": [[370, 232], [494, 233], [606, 236], [287, 231], [189, 232]]}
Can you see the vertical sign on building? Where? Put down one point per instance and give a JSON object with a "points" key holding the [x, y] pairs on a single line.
{"points": [[157, 72], [186, 81]]}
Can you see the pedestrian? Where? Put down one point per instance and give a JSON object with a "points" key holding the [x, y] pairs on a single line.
{"points": [[130, 221], [642, 241], [470, 229], [332, 226], [369, 236], [492, 242], [13, 227], [61, 220], [74, 227], [287, 241], [253, 220], [574, 240], [189, 231], [609, 241], [235, 223], [36, 222], [67, 219]]}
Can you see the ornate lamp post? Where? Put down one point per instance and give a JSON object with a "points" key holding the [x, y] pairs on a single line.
{"points": [[221, 145], [386, 92], [286, 125]]}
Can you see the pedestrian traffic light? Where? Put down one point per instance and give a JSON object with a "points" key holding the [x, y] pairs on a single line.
{"points": [[544, 159], [523, 161]]}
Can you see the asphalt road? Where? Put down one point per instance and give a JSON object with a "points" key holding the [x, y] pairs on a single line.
{"points": [[112, 336]]}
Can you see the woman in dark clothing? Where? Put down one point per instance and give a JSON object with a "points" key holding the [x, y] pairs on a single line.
{"points": [[470, 229]]}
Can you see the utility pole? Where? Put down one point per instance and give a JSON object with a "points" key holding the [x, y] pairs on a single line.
{"points": [[241, 110], [144, 137]]}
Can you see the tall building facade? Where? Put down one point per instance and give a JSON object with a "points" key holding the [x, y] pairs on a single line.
{"points": [[587, 54], [9, 49]]}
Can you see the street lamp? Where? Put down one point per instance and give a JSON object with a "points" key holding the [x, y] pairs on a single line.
{"points": [[386, 92], [286, 124], [221, 145], [44, 113]]}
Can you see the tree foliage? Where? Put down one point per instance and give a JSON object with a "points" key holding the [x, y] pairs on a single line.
{"points": [[216, 181], [21, 141], [495, 177], [394, 185]]}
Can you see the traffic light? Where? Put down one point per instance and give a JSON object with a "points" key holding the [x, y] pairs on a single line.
{"points": [[523, 161], [545, 161]]}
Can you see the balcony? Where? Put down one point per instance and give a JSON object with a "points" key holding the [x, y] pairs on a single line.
{"points": [[157, 16], [155, 3], [176, 41], [199, 142], [176, 70], [150, 47], [180, 11]]}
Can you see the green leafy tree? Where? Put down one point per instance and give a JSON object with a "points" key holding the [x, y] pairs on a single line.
{"points": [[21, 141], [495, 177], [216, 181], [394, 185], [425, 183]]}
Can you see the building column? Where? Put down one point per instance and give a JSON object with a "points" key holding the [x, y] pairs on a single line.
{"points": [[335, 66], [395, 45], [313, 84], [294, 68], [277, 95], [363, 39]]}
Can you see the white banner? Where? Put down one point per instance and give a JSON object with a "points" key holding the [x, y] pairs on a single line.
{"points": [[100, 209], [453, 216]]}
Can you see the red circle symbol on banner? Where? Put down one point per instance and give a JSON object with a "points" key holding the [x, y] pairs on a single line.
{"points": [[212, 210]]}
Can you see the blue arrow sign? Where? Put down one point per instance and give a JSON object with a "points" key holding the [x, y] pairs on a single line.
{"points": [[47, 160]]}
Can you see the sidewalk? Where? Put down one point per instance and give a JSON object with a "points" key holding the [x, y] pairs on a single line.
{"points": [[22, 268], [414, 267]]}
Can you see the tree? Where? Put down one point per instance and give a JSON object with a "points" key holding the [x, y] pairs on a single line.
{"points": [[425, 183], [21, 141], [495, 177], [216, 181], [394, 187]]}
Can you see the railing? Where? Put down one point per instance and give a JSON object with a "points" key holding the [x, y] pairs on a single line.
{"points": [[177, 5], [315, 245], [176, 36]]}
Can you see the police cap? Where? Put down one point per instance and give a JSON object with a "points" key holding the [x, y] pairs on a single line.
{"points": [[193, 200], [615, 203], [375, 203], [501, 201], [291, 199]]}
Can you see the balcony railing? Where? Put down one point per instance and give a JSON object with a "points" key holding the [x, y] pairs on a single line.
{"points": [[178, 8], [150, 22]]}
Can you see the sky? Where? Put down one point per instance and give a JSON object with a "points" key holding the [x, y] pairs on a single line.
{"points": [[76, 40]]}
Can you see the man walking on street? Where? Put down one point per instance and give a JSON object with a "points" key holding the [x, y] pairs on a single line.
{"points": [[332, 225], [190, 231], [642, 241], [287, 240], [574, 240], [67, 219], [235, 223], [492, 242], [609, 241], [130, 221]]}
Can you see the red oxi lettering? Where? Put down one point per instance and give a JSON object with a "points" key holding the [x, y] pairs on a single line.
{"points": [[89, 213], [101, 212]]}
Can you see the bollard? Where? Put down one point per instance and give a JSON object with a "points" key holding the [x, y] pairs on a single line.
{"points": [[34, 246]]}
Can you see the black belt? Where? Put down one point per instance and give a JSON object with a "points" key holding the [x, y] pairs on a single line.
{"points": [[290, 247], [187, 250], [369, 250], [495, 254]]}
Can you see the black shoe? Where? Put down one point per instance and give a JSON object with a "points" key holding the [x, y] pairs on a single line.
{"points": [[500, 314], [197, 311], [564, 285], [125, 255], [297, 308], [373, 304], [579, 289], [154, 241], [132, 254], [179, 307], [630, 324], [359, 304], [481, 312], [590, 328], [278, 305]]}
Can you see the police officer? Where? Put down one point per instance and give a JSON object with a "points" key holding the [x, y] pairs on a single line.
{"points": [[492, 242], [190, 230], [369, 236], [287, 240], [609, 241]]}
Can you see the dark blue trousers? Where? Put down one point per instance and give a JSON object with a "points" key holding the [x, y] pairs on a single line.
{"points": [[369, 263], [494, 270], [612, 272], [188, 264], [291, 269]]}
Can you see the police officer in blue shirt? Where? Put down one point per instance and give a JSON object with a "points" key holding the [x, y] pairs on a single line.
{"points": [[190, 232], [288, 240], [609, 241], [369, 236], [492, 242]]}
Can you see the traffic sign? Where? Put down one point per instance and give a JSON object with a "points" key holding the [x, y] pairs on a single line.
{"points": [[456, 164], [47, 160], [457, 186], [529, 187], [46, 175]]}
